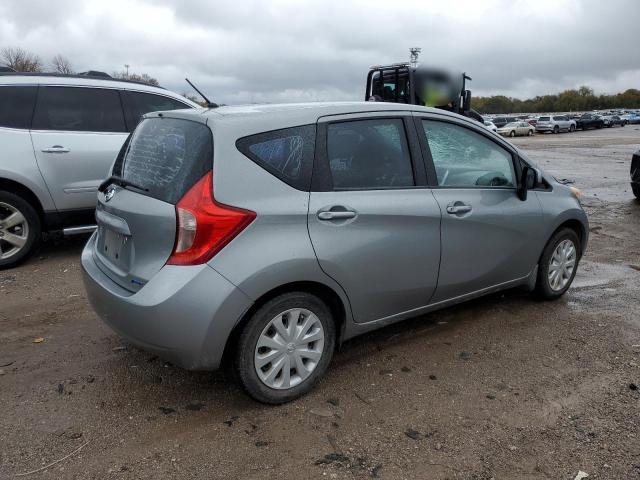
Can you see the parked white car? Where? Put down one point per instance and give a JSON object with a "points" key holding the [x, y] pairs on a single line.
{"points": [[490, 126]]}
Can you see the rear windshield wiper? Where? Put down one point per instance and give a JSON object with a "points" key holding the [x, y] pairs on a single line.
{"points": [[115, 179]]}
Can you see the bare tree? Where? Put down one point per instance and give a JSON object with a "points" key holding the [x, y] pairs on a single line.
{"points": [[61, 64], [20, 60]]}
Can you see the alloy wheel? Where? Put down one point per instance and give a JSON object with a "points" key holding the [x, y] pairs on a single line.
{"points": [[14, 231], [562, 265], [289, 348]]}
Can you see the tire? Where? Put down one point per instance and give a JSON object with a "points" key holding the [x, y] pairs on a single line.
{"points": [[544, 284], [556, 129], [28, 232], [512, 133], [572, 128], [261, 327], [529, 133], [636, 190]]}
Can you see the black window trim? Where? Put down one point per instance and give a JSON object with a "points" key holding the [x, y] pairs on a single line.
{"points": [[304, 185], [100, 87], [322, 181], [428, 158]]}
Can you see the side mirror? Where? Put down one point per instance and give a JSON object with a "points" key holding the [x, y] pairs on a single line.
{"points": [[527, 182]]}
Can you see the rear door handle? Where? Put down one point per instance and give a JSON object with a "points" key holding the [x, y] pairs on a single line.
{"points": [[56, 149], [458, 208], [338, 215]]}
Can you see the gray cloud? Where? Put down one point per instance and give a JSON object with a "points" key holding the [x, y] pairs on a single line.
{"points": [[255, 51]]}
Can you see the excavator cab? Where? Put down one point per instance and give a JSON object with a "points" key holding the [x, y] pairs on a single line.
{"points": [[417, 85]]}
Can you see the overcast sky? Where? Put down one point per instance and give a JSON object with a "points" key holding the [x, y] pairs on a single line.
{"points": [[271, 50]]}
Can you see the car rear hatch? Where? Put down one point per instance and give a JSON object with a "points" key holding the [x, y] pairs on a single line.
{"points": [[544, 122], [136, 212]]}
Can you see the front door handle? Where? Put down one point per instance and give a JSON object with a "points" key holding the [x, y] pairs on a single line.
{"points": [[336, 215], [56, 149], [458, 207]]}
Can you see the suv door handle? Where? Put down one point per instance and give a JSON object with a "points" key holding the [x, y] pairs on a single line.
{"points": [[336, 215], [458, 207], [56, 149]]}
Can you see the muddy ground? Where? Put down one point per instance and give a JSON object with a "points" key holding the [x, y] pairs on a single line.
{"points": [[505, 387]]}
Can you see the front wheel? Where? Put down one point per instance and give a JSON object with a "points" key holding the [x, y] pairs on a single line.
{"points": [[558, 264], [285, 347], [529, 133], [512, 133], [20, 229]]}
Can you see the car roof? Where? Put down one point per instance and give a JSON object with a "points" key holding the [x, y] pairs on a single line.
{"points": [[10, 78], [277, 116]]}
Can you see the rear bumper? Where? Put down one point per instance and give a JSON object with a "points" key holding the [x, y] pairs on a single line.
{"points": [[544, 128], [183, 314]]}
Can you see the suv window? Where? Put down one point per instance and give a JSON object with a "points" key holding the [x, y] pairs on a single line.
{"points": [[464, 158], [369, 154], [16, 106], [543, 119], [79, 109], [286, 154], [139, 103], [168, 156]]}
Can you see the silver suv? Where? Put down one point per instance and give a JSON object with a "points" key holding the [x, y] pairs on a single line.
{"points": [[267, 235], [59, 137], [555, 124]]}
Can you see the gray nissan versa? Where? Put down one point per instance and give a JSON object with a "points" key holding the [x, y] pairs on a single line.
{"points": [[269, 234]]}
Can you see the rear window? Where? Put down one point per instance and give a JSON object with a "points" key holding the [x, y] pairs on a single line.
{"points": [[16, 106], [168, 156], [543, 119], [140, 103], [286, 154]]}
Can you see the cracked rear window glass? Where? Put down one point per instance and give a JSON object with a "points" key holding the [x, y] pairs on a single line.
{"points": [[168, 156]]}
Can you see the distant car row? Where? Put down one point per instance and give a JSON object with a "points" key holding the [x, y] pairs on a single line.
{"points": [[517, 126]]}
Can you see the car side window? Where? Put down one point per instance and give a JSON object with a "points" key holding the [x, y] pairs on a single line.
{"points": [[140, 103], [78, 109], [286, 154], [369, 154], [464, 158], [16, 106]]}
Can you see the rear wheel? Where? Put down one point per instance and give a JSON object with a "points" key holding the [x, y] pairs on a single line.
{"points": [[572, 128], [512, 133], [636, 190], [558, 264], [529, 133], [20, 229], [556, 129], [285, 347]]}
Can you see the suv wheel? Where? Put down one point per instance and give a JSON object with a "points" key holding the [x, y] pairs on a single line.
{"points": [[556, 129], [285, 347], [558, 264], [20, 229]]}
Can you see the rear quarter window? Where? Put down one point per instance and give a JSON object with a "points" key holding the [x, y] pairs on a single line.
{"points": [[287, 153], [167, 156], [16, 106]]}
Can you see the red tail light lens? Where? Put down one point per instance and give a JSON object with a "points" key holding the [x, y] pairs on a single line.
{"points": [[205, 226]]}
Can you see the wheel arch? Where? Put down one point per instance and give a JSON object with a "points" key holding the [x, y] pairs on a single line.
{"points": [[577, 226], [24, 192], [327, 294]]}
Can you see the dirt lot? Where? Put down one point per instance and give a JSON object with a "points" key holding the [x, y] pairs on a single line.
{"points": [[505, 387]]}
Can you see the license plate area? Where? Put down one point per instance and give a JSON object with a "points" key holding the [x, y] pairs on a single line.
{"points": [[114, 248]]}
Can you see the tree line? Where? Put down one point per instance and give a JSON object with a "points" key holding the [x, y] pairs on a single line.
{"points": [[22, 60], [580, 100]]}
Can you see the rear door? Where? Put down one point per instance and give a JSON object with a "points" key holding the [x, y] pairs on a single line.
{"points": [[373, 222], [137, 224], [76, 133], [489, 236]]}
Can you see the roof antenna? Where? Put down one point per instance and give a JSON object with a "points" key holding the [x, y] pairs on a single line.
{"points": [[210, 104]]}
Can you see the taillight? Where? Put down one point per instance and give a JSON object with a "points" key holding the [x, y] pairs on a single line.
{"points": [[205, 226]]}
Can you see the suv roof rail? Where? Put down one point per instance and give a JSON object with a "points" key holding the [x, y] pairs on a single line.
{"points": [[91, 74]]}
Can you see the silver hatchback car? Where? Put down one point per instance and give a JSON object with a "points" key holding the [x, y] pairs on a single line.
{"points": [[267, 235]]}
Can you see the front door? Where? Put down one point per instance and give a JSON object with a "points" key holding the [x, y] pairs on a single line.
{"points": [[76, 134], [375, 226], [489, 236]]}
